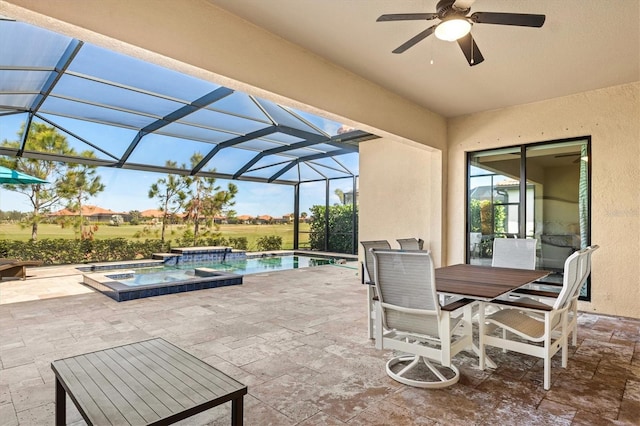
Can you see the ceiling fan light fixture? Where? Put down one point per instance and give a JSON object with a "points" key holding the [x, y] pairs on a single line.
{"points": [[453, 29]]}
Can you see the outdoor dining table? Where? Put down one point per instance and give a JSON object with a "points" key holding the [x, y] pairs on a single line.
{"points": [[481, 284]]}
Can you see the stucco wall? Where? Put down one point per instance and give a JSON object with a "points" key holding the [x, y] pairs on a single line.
{"points": [[612, 117], [397, 197]]}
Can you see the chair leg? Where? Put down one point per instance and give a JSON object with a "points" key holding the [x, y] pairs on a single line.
{"points": [[574, 330], [378, 326], [547, 372], [401, 376], [370, 308], [481, 331]]}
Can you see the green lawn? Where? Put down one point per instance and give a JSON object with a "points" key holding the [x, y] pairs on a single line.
{"points": [[251, 232]]}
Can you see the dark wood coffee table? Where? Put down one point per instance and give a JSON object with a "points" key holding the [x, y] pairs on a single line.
{"points": [[147, 383]]}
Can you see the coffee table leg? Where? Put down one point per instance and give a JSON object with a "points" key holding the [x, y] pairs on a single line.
{"points": [[237, 408], [61, 404]]}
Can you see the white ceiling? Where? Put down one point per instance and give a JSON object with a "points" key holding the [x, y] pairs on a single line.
{"points": [[583, 45]]}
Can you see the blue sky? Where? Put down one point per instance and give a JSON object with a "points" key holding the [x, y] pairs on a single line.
{"points": [[127, 190]]}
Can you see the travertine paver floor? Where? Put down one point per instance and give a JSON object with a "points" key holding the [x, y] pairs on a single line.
{"points": [[298, 340]]}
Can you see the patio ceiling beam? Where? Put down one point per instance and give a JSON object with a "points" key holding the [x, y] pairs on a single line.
{"points": [[235, 141], [186, 172], [308, 158], [57, 126], [63, 63], [310, 165], [196, 105], [135, 128], [47, 156], [314, 140], [335, 169]]}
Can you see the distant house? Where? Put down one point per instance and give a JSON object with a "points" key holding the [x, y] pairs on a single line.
{"points": [[152, 213], [287, 218], [264, 219], [92, 213], [245, 218]]}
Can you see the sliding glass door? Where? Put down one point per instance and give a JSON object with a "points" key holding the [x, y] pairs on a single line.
{"points": [[539, 191]]}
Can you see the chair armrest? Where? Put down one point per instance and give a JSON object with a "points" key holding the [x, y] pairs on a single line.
{"points": [[456, 305], [539, 293], [528, 304]]}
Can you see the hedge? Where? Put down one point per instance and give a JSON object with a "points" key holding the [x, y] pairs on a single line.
{"points": [[63, 251]]}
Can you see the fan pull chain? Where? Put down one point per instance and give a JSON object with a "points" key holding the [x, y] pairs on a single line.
{"points": [[472, 60], [431, 51]]}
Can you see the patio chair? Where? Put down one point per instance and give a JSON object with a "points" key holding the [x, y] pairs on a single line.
{"points": [[573, 310], [15, 268], [549, 297], [531, 327], [409, 319], [367, 278], [411, 243], [516, 253]]}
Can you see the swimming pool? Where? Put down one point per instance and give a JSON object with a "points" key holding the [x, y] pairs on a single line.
{"points": [[156, 280], [256, 265]]}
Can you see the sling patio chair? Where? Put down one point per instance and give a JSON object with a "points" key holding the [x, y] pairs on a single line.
{"points": [[367, 278], [411, 243], [546, 296], [531, 327], [14, 268], [409, 319], [519, 253]]}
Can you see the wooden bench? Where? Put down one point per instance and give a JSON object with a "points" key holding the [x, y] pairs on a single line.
{"points": [[147, 383]]}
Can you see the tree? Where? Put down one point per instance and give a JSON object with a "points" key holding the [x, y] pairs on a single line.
{"points": [[135, 216], [171, 193], [206, 199], [340, 194], [80, 183], [231, 216], [45, 139]]}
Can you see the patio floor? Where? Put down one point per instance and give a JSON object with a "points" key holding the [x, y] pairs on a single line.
{"points": [[298, 340]]}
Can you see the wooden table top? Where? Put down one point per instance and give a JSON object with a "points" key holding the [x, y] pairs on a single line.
{"points": [[149, 382], [483, 282]]}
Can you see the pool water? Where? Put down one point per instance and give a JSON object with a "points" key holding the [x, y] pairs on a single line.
{"points": [[168, 274]]}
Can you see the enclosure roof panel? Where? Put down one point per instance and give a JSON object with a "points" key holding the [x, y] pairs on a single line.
{"points": [[138, 115]]}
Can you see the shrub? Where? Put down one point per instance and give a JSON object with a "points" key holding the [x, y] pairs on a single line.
{"points": [[340, 228], [269, 242], [61, 251]]}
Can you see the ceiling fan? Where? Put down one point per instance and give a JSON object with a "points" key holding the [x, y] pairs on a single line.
{"points": [[455, 25]]}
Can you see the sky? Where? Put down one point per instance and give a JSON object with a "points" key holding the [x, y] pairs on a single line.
{"points": [[127, 190]]}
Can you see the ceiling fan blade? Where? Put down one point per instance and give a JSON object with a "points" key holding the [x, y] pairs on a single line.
{"points": [[407, 17], [411, 42], [518, 19], [470, 50]]}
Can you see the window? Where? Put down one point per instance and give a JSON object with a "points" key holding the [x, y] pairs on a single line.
{"points": [[539, 191]]}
